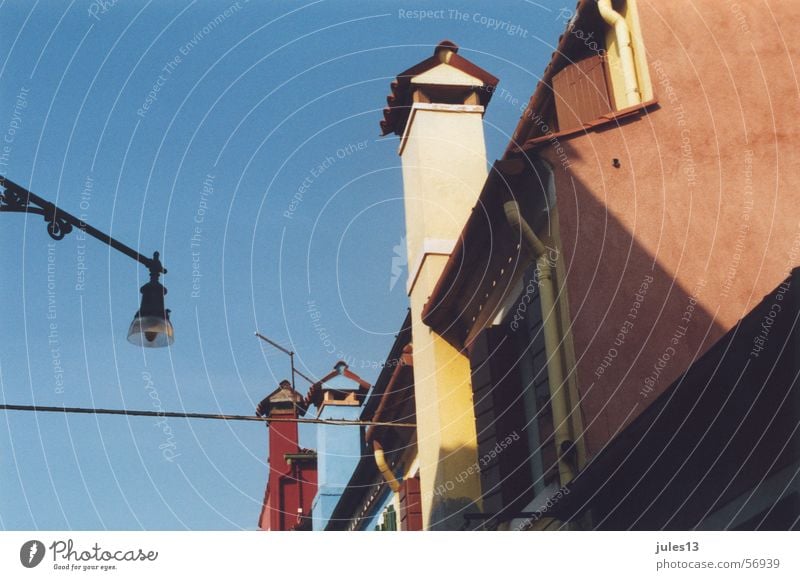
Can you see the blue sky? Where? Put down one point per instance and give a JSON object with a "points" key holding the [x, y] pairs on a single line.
{"points": [[190, 128]]}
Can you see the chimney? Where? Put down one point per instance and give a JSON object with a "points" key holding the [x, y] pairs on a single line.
{"points": [[339, 446], [292, 479], [436, 107]]}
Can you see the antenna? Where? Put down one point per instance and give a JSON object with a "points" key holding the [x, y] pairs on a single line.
{"points": [[291, 357]]}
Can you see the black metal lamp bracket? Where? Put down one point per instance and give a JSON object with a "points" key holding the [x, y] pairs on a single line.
{"points": [[15, 198]]}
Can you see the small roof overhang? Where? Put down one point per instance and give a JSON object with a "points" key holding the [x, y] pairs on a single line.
{"points": [[488, 258]]}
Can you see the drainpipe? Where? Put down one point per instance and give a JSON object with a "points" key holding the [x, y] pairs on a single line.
{"points": [[623, 37], [559, 401], [404, 360], [384, 468]]}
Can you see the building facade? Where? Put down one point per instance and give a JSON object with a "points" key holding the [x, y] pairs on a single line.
{"points": [[292, 482], [383, 492], [603, 325], [642, 210], [338, 396]]}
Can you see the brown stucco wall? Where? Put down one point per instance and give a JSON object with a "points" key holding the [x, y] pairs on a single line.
{"points": [[705, 202]]}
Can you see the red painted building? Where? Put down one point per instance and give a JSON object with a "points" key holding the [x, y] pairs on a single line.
{"points": [[292, 481]]}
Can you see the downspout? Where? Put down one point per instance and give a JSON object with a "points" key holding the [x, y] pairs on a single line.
{"points": [[623, 37], [380, 460], [559, 398], [384, 468]]}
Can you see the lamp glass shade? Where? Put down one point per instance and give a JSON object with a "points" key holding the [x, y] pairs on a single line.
{"points": [[151, 331]]}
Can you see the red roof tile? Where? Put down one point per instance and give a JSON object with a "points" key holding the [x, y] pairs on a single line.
{"points": [[399, 101]]}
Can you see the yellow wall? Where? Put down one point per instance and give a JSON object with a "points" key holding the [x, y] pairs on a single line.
{"points": [[444, 169]]}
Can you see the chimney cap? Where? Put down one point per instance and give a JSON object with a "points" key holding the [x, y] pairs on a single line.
{"points": [[282, 400], [399, 100]]}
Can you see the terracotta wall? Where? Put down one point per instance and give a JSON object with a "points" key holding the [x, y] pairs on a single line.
{"points": [[704, 208]]}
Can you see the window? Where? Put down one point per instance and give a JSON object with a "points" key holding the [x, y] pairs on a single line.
{"points": [[389, 520], [516, 447], [599, 69], [535, 388]]}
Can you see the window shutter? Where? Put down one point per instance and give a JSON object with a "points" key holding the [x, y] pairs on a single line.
{"points": [[503, 454], [581, 93], [410, 505]]}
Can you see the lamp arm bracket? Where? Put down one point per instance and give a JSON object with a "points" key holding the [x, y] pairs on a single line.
{"points": [[15, 198]]}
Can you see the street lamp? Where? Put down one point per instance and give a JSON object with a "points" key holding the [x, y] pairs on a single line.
{"points": [[151, 327]]}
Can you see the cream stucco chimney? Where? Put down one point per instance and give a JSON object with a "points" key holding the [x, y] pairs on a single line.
{"points": [[437, 107]]}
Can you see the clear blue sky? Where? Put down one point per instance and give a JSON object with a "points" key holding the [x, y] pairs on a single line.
{"points": [[252, 105]]}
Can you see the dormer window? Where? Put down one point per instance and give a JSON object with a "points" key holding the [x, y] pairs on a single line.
{"points": [[605, 69], [599, 69]]}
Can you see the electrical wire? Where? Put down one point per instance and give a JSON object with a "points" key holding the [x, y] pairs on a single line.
{"points": [[219, 417]]}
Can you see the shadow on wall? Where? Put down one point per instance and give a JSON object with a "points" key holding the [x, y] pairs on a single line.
{"points": [[447, 507], [652, 265], [635, 328], [721, 448], [638, 326], [635, 325]]}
